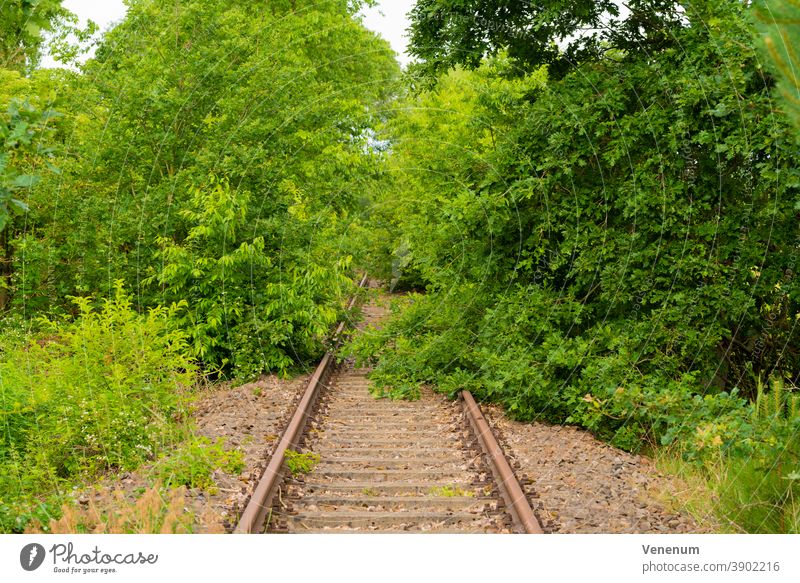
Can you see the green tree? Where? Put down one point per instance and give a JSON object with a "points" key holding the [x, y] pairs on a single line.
{"points": [[560, 33], [23, 25], [780, 24], [276, 98], [23, 133], [220, 284]]}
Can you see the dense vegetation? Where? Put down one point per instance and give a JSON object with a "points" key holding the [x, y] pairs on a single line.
{"points": [[606, 232], [599, 204], [174, 207]]}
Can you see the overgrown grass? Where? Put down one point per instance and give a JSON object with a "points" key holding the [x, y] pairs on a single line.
{"points": [[733, 495]]}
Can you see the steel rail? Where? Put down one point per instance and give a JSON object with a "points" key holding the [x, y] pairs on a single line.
{"points": [[510, 488], [254, 517]]}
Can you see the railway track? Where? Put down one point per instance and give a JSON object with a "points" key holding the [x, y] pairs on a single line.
{"points": [[427, 466]]}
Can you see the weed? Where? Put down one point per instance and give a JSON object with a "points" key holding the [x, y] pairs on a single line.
{"points": [[103, 392], [690, 490], [450, 492], [733, 494], [301, 463], [193, 464]]}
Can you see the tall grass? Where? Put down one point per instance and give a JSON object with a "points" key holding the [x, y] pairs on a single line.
{"points": [[757, 492]]}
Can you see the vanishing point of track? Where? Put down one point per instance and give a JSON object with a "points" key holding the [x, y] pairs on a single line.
{"points": [[424, 466]]}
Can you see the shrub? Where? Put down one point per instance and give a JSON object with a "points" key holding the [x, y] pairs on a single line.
{"points": [[193, 463], [243, 314], [101, 392]]}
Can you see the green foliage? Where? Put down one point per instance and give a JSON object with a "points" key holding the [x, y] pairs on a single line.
{"points": [[22, 132], [445, 33], [611, 244], [758, 492], [149, 125], [759, 498], [219, 281], [301, 463], [761, 492], [22, 29], [780, 24], [561, 269], [194, 462], [19, 126], [98, 393]]}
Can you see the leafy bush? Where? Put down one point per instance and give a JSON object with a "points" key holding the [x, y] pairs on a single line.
{"points": [[98, 393], [20, 126], [241, 312]]}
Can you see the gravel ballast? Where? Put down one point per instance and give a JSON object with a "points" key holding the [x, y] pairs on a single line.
{"points": [[582, 485]]}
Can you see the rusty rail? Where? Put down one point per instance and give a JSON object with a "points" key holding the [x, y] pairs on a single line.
{"points": [[510, 488], [256, 514], [257, 511]]}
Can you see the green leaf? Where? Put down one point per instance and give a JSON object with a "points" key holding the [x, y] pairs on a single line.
{"points": [[25, 181], [19, 206]]}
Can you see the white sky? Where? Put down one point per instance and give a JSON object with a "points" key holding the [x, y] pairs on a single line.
{"points": [[388, 19]]}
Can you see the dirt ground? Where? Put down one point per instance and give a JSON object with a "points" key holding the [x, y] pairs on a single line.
{"points": [[250, 418]]}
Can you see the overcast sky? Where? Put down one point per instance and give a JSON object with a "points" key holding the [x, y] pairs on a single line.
{"points": [[388, 18]]}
